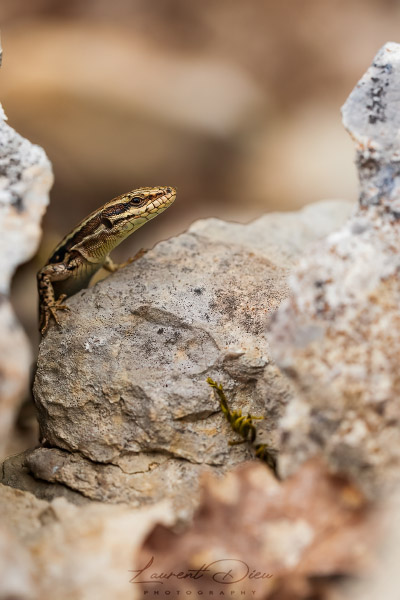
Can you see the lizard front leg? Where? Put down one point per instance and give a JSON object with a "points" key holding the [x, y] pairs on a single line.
{"points": [[111, 266], [48, 305]]}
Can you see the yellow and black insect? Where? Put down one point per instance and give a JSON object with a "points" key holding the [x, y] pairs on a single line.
{"points": [[243, 425]]}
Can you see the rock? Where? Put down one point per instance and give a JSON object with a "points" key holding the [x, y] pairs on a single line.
{"points": [[21, 518], [21, 512], [135, 480], [89, 551], [338, 334], [383, 582], [16, 570], [123, 383], [254, 536], [25, 180], [15, 473], [306, 533], [57, 550]]}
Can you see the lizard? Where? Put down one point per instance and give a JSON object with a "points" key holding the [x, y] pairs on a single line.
{"points": [[85, 250]]}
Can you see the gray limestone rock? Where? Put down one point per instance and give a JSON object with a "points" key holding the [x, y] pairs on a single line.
{"points": [[121, 388], [338, 334], [25, 180], [16, 474], [137, 480]]}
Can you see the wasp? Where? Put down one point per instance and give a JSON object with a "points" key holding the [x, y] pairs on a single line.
{"points": [[243, 425]]}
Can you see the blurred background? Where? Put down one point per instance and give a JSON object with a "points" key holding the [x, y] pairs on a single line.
{"points": [[234, 102]]}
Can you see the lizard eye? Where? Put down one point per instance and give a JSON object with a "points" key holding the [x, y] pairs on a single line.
{"points": [[136, 200]]}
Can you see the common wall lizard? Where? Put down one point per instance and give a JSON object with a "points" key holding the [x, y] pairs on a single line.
{"points": [[86, 249]]}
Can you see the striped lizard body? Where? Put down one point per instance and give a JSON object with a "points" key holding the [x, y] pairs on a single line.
{"points": [[86, 249]]}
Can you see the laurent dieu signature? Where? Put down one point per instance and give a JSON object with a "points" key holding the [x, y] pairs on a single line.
{"points": [[226, 571]]}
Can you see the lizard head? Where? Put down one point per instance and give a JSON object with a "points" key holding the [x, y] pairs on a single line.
{"points": [[130, 211]]}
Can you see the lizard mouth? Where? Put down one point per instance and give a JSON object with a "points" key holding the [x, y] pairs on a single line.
{"points": [[161, 203], [169, 195]]}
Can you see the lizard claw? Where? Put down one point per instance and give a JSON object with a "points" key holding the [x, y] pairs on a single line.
{"points": [[138, 254], [50, 310]]}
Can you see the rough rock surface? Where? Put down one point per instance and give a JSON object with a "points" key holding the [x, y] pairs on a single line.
{"points": [[136, 479], [15, 473], [338, 335], [124, 381], [25, 180]]}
